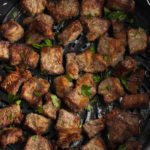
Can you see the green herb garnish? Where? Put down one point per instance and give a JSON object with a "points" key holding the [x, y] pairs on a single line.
{"points": [[97, 78], [122, 147], [86, 90], [107, 58], [44, 43], [15, 14], [40, 110], [89, 107], [124, 81], [37, 94], [69, 77], [13, 98], [93, 49], [55, 101], [34, 137], [109, 87], [18, 102]]}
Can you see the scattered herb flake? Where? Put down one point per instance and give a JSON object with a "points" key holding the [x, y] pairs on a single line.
{"points": [[106, 58], [55, 101], [89, 107], [44, 43], [93, 100], [15, 14], [97, 78], [86, 90], [40, 110], [123, 81], [122, 147], [37, 94], [12, 98], [93, 48], [34, 137], [69, 77], [18, 102]]}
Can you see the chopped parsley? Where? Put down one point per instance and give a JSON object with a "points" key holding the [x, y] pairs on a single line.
{"points": [[122, 147], [15, 14], [18, 102], [44, 43], [89, 107], [93, 48], [124, 81], [69, 78], [97, 78], [37, 94], [86, 90], [109, 87], [34, 137], [55, 101], [13, 98], [107, 58], [40, 110]]}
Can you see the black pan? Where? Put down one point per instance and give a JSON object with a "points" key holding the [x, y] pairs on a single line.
{"points": [[10, 9]]}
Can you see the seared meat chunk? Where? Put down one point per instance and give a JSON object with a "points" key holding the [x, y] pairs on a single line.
{"points": [[135, 101], [10, 136], [124, 5], [95, 144], [132, 145], [68, 127], [91, 8], [111, 49], [111, 89], [33, 7], [10, 115], [37, 123], [96, 27], [89, 62], [33, 90], [49, 109], [14, 80], [71, 32], [63, 85], [37, 142], [121, 125], [94, 127], [23, 55], [43, 23], [4, 50], [72, 67], [52, 60], [70, 8], [137, 40], [12, 31]]}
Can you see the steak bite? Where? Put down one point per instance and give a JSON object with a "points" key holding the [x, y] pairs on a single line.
{"points": [[96, 27], [91, 8], [123, 5], [10, 136], [63, 85], [10, 115], [70, 8], [4, 50], [12, 31], [33, 90], [37, 142], [121, 125], [94, 127], [33, 7], [111, 49], [52, 60], [37, 123], [72, 67], [71, 32], [68, 127], [43, 23], [14, 80], [111, 89], [135, 101], [22, 55], [137, 40], [95, 144]]}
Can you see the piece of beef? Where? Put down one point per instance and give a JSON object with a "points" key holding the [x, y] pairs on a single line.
{"points": [[4, 50], [37, 123], [94, 127], [137, 40], [10, 136], [70, 8], [33, 7], [111, 89], [12, 31], [52, 60], [14, 80], [10, 115], [133, 144]]}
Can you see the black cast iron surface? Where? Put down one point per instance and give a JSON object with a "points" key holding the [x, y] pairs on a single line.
{"points": [[142, 19]]}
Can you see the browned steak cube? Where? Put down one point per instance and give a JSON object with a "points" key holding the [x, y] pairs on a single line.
{"points": [[49, 109], [10, 115], [43, 23], [94, 144], [121, 125], [124, 5], [96, 27], [34, 89], [12, 31], [71, 32], [63, 85], [94, 127], [137, 40], [52, 60], [91, 8], [111, 49], [37, 123], [22, 55], [72, 67], [10, 136], [68, 127], [70, 8], [4, 50], [14, 80], [135, 101], [33, 7], [37, 142], [111, 89]]}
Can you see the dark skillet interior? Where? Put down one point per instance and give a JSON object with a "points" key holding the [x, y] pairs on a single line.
{"points": [[142, 19]]}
